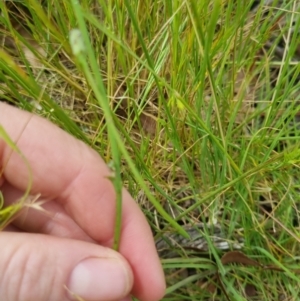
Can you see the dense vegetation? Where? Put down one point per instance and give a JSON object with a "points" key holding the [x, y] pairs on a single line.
{"points": [[196, 106]]}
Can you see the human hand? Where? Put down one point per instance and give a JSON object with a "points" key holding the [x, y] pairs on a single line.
{"points": [[43, 256]]}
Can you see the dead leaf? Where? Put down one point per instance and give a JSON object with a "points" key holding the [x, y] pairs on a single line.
{"points": [[238, 257], [250, 290], [148, 123]]}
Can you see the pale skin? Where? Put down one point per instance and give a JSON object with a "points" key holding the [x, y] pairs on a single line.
{"points": [[40, 251]]}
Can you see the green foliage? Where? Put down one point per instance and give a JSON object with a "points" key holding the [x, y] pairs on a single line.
{"points": [[195, 103]]}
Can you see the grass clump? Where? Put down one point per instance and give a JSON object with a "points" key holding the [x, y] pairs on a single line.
{"points": [[197, 105]]}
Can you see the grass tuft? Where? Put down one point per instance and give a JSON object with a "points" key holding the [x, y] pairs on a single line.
{"points": [[196, 103]]}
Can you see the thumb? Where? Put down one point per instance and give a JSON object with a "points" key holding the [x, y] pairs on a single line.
{"points": [[45, 268]]}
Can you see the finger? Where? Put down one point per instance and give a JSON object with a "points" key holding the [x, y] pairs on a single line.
{"points": [[11, 228], [46, 268], [56, 222], [60, 224], [62, 169], [67, 171], [48, 217]]}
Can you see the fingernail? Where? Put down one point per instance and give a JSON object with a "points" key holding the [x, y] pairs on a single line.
{"points": [[100, 279]]}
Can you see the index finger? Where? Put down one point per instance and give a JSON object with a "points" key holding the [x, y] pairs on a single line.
{"points": [[65, 169]]}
